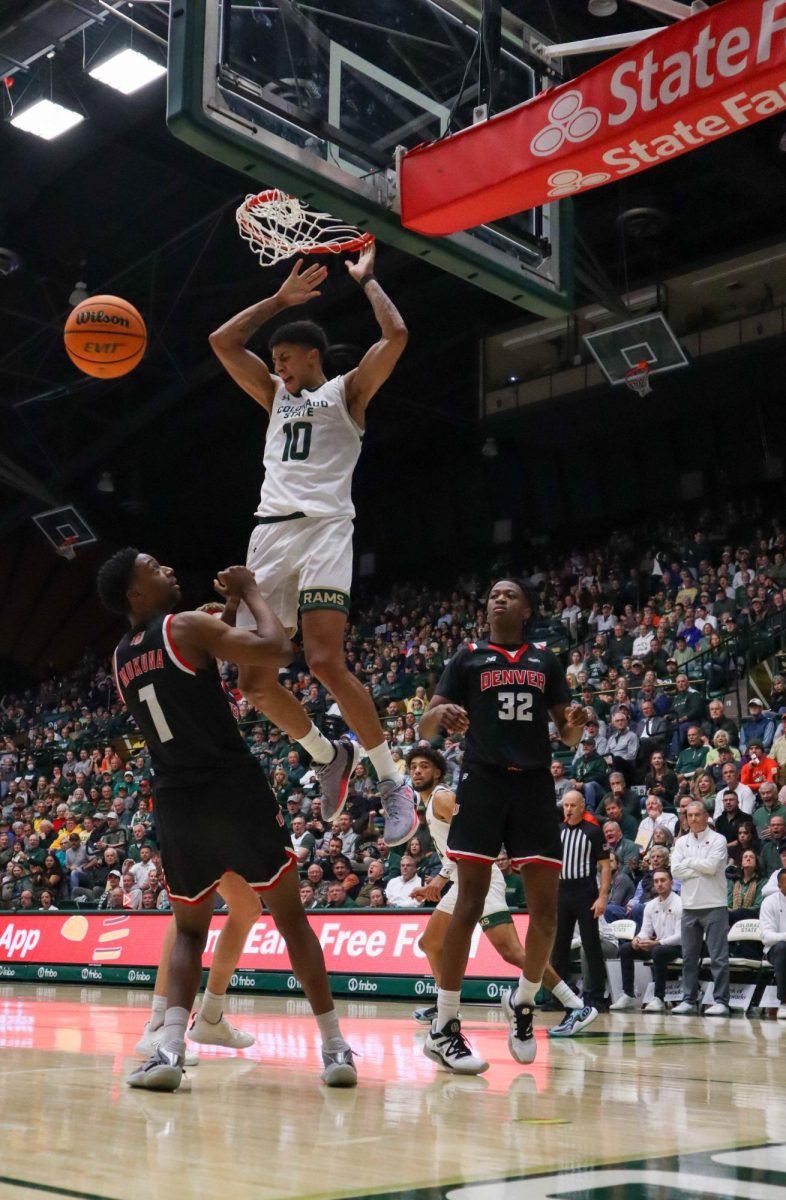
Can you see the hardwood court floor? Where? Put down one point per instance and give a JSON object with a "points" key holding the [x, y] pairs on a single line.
{"points": [[673, 1099]]}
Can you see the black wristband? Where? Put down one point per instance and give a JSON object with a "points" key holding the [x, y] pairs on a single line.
{"points": [[370, 278]]}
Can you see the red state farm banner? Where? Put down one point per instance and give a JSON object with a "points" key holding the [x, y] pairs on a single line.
{"points": [[355, 942], [719, 71]]}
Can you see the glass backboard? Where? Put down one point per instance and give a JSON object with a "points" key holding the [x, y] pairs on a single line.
{"points": [[649, 340], [317, 99]]}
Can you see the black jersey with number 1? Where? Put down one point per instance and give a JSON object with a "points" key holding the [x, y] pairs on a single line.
{"points": [[181, 710], [507, 693]]}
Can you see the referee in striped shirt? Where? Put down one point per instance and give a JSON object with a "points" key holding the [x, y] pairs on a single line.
{"points": [[580, 900]]}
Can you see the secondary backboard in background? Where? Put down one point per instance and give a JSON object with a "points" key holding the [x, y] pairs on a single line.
{"points": [[649, 340], [316, 98], [65, 529]]}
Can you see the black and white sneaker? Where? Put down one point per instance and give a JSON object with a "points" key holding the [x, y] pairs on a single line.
{"points": [[334, 777], [574, 1021], [163, 1072], [339, 1068], [425, 1016], [521, 1039], [451, 1050]]}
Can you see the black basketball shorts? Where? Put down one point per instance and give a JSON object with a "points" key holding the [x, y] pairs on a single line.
{"points": [[230, 823], [514, 809]]}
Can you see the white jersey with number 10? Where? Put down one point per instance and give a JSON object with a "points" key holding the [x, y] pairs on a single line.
{"points": [[311, 450]]}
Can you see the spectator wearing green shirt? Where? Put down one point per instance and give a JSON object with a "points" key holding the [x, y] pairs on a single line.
{"points": [[277, 747], [627, 852], [613, 811], [693, 757], [338, 898], [687, 708], [770, 806], [139, 837], [589, 773], [771, 838], [116, 835], [627, 799], [281, 786], [514, 889]]}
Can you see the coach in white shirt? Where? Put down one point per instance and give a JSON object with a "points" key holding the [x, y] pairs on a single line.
{"points": [[398, 891], [731, 783], [699, 861], [659, 938], [772, 918]]}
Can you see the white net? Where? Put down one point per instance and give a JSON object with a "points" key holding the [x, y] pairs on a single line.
{"points": [[276, 226], [638, 379]]}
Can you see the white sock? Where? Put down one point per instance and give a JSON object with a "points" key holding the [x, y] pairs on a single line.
{"points": [[158, 1013], [212, 1008], [330, 1030], [382, 762], [526, 992], [317, 745], [447, 1007], [566, 995], [175, 1024]]}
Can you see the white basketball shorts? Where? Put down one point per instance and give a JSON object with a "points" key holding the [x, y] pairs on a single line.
{"points": [[495, 909], [300, 563]]}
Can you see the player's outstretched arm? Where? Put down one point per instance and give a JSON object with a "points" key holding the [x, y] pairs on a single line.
{"points": [[570, 720], [377, 364], [442, 714], [229, 341], [200, 635]]}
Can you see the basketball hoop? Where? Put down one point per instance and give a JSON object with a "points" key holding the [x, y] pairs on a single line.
{"points": [[66, 548], [638, 379], [277, 225]]}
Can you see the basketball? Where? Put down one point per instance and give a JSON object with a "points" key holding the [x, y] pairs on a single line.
{"points": [[105, 336]]}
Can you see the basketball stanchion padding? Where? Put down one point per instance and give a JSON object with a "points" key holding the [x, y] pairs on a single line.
{"points": [[105, 337], [277, 225]]}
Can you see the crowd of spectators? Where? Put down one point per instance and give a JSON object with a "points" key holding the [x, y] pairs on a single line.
{"points": [[651, 642]]}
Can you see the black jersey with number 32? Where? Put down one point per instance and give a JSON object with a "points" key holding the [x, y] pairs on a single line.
{"points": [[507, 694], [182, 711]]}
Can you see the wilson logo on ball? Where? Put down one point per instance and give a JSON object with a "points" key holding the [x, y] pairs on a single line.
{"points": [[88, 317]]}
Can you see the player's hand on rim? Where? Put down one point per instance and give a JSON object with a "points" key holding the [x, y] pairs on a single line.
{"points": [[364, 264], [234, 582], [302, 285]]}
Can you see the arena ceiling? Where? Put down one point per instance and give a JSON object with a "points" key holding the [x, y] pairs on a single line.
{"points": [[123, 205]]}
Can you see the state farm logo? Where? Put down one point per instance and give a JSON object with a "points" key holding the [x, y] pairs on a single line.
{"points": [[570, 121], [565, 183]]}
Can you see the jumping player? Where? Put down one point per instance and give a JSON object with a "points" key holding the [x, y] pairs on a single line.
{"points": [[165, 672], [426, 770], [301, 548], [500, 693]]}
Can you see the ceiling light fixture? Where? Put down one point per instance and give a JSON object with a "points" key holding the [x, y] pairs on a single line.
{"points": [[79, 293], [602, 8], [127, 71], [46, 119], [106, 483]]}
